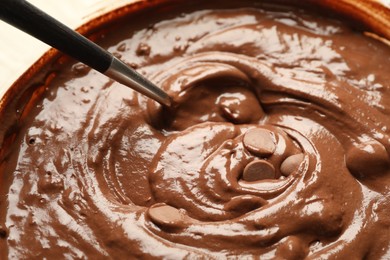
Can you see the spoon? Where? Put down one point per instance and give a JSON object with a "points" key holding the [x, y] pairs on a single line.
{"points": [[28, 18]]}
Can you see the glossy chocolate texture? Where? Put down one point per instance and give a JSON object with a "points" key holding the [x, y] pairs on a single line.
{"points": [[94, 170]]}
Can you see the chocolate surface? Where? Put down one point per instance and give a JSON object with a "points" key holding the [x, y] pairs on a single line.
{"points": [[94, 170]]}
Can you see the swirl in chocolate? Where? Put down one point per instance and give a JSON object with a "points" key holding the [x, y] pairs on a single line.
{"points": [[277, 146]]}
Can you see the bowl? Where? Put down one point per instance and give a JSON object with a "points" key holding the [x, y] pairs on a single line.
{"points": [[167, 142]]}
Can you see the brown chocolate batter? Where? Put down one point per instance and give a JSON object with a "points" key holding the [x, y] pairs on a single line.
{"points": [[277, 146]]}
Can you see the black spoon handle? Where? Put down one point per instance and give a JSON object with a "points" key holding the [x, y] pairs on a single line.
{"points": [[35, 22]]}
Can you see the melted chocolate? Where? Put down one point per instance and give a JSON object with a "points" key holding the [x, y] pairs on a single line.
{"points": [[96, 170]]}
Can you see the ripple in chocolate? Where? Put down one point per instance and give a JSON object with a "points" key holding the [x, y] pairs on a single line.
{"points": [[277, 146]]}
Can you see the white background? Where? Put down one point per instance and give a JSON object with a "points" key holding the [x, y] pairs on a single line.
{"points": [[18, 51]]}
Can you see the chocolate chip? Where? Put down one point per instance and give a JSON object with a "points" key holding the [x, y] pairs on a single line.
{"points": [[259, 142], [165, 215], [258, 170], [367, 159], [291, 164]]}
